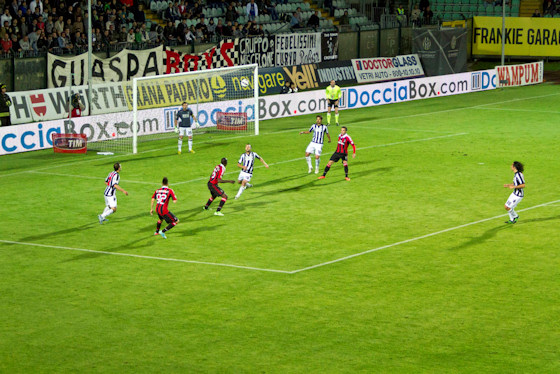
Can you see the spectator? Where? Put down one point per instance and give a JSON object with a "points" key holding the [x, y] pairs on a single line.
{"points": [[344, 19], [14, 7], [108, 38], [188, 36], [260, 31], [49, 25], [59, 25], [34, 37], [252, 10], [424, 4], [400, 13], [64, 43], [130, 37], [78, 25], [228, 29], [536, 14], [294, 22], [196, 10], [286, 89], [140, 16], [549, 8], [314, 20], [415, 16], [15, 44], [199, 35], [77, 106], [6, 17], [219, 28], [122, 35], [15, 29], [52, 40], [25, 45], [5, 104], [80, 41], [237, 31], [271, 8], [40, 23], [169, 31], [42, 43], [231, 14], [211, 29], [6, 43], [428, 15]]}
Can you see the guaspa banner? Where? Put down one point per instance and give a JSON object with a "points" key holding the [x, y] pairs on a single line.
{"points": [[297, 49], [379, 69], [125, 65], [520, 75]]}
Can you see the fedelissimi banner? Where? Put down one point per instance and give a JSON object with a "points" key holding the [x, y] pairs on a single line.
{"points": [[379, 69], [35, 136], [524, 36]]}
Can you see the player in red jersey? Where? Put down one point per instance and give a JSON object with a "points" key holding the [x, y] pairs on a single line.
{"points": [[162, 196], [344, 140], [215, 190]]}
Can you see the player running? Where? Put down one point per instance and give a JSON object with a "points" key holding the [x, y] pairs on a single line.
{"points": [[215, 190], [112, 182], [517, 195], [316, 145], [246, 163], [183, 117], [162, 196], [333, 93], [341, 152]]}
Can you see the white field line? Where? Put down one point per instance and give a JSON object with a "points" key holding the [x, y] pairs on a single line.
{"points": [[144, 257], [283, 131], [522, 110], [415, 239], [275, 270]]}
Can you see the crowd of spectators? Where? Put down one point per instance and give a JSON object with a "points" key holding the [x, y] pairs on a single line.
{"points": [[60, 27]]}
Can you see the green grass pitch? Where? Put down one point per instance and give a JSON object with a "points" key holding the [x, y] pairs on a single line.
{"points": [[407, 268]]}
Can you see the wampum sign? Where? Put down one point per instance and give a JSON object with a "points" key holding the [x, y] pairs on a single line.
{"points": [[125, 65]]}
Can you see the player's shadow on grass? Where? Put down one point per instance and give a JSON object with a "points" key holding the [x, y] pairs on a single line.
{"points": [[487, 235], [364, 173], [70, 230]]}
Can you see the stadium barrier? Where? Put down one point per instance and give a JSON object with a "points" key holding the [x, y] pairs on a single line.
{"points": [[35, 136]]}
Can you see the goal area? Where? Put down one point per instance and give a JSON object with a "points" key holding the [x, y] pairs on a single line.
{"points": [[222, 100]]}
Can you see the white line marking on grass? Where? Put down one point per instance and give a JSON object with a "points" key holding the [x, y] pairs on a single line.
{"points": [[145, 257], [415, 239], [522, 110], [272, 270], [282, 131]]}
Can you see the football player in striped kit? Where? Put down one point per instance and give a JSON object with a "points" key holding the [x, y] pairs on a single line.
{"points": [[112, 182], [341, 153], [517, 195], [316, 145], [246, 163]]}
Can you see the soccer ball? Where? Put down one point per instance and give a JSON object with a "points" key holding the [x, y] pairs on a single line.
{"points": [[244, 83]]}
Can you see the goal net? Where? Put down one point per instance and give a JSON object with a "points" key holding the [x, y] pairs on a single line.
{"points": [[222, 100]]}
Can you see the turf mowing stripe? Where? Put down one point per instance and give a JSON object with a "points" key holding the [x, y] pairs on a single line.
{"points": [[522, 110], [275, 270], [85, 177], [283, 131], [415, 239], [144, 257]]}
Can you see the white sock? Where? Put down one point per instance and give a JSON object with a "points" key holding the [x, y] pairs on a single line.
{"points": [[317, 163], [512, 214], [107, 212], [308, 159], [241, 189], [190, 144], [180, 144]]}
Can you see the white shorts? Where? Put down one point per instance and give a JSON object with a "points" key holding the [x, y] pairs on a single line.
{"points": [[314, 148], [244, 176], [111, 201], [185, 131], [513, 200]]}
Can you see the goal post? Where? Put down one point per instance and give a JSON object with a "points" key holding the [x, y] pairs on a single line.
{"points": [[233, 90]]}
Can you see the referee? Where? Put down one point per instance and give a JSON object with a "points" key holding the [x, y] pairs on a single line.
{"points": [[333, 93]]}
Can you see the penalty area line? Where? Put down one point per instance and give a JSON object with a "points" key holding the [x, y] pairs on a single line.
{"points": [[415, 239], [145, 257]]}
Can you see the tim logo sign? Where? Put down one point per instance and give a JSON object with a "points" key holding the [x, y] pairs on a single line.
{"points": [[69, 143], [232, 121]]}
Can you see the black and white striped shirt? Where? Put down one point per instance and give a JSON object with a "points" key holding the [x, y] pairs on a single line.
{"points": [[248, 160], [112, 180], [319, 132], [517, 180]]}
